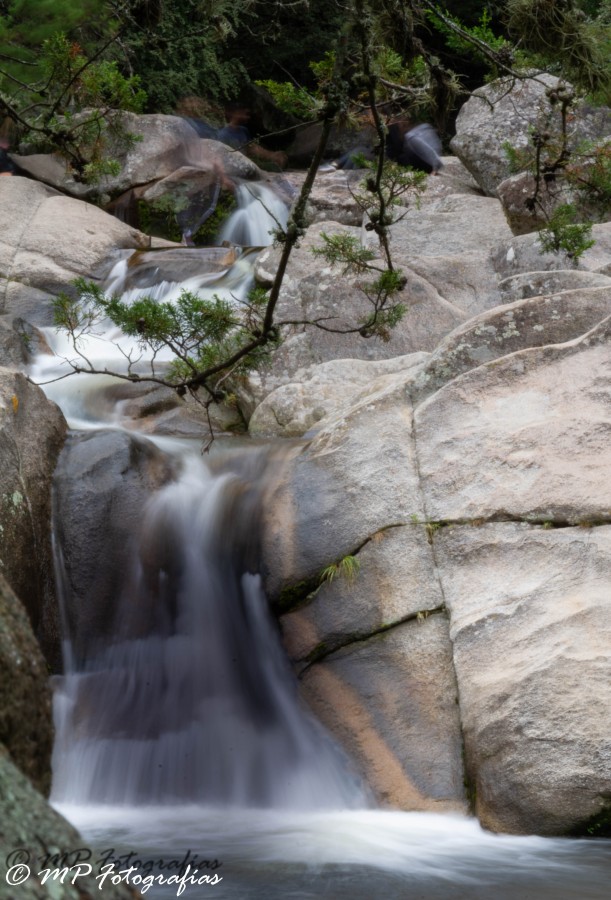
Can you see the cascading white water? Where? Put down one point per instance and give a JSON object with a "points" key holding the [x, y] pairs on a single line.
{"points": [[193, 701], [107, 348], [260, 212]]}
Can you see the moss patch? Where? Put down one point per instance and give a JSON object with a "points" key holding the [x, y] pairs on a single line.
{"points": [[598, 825], [296, 595], [159, 218]]}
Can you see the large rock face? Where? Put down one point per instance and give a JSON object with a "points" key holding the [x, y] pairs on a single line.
{"points": [[450, 276], [523, 255], [320, 391], [460, 473], [504, 112], [165, 143], [47, 241], [529, 611], [525, 423], [567, 314], [449, 244], [457, 486]]}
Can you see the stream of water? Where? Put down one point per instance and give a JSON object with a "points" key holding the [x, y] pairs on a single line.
{"points": [[182, 747]]}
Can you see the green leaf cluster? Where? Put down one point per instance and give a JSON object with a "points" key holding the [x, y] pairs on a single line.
{"points": [[291, 99], [564, 233], [181, 51], [481, 31], [202, 333], [348, 568], [563, 35]]}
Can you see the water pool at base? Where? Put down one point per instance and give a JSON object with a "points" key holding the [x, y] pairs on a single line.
{"points": [[348, 855]]}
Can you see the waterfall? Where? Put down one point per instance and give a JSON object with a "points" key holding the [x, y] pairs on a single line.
{"points": [[260, 212], [193, 700]]}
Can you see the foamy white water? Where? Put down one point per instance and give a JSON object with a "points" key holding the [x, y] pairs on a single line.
{"points": [[355, 855], [193, 699], [106, 348], [260, 212]]}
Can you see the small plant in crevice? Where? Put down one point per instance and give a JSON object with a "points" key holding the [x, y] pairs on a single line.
{"points": [[431, 530], [565, 234], [348, 568]]}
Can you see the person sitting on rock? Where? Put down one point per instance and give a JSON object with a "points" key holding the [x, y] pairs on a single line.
{"points": [[416, 146], [7, 166], [194, 111], [408, 144], [236, 135]]}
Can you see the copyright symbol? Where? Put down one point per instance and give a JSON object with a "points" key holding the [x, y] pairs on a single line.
{"points": [[17, 856], [17, 874]]}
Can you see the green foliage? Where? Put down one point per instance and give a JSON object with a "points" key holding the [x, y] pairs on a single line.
{"points": [[291, 99], [280, 39], [386, 311], [160, 217], [180, 51], [69, 103], [580, 175], [518, 159], [589, 173], [431, 530], [323, 69], [102, 84], [565, 234], [201, 332], [26, 24], [379, 196], [348, 568], [379, 54], [560, 33], [481, 31], [345, 249]]}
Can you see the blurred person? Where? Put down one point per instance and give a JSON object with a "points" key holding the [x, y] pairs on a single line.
{"points": [[237, 135], [195, 111], [7, 166], [415, 145]]}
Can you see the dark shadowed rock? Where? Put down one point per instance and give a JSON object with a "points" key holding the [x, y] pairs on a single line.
{"points": [[29, 824], [25, 698], [102, 483], [32, 432]]}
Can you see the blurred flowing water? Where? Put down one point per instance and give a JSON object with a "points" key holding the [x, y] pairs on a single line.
{"points": [[182, 744], [193, 700]]}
